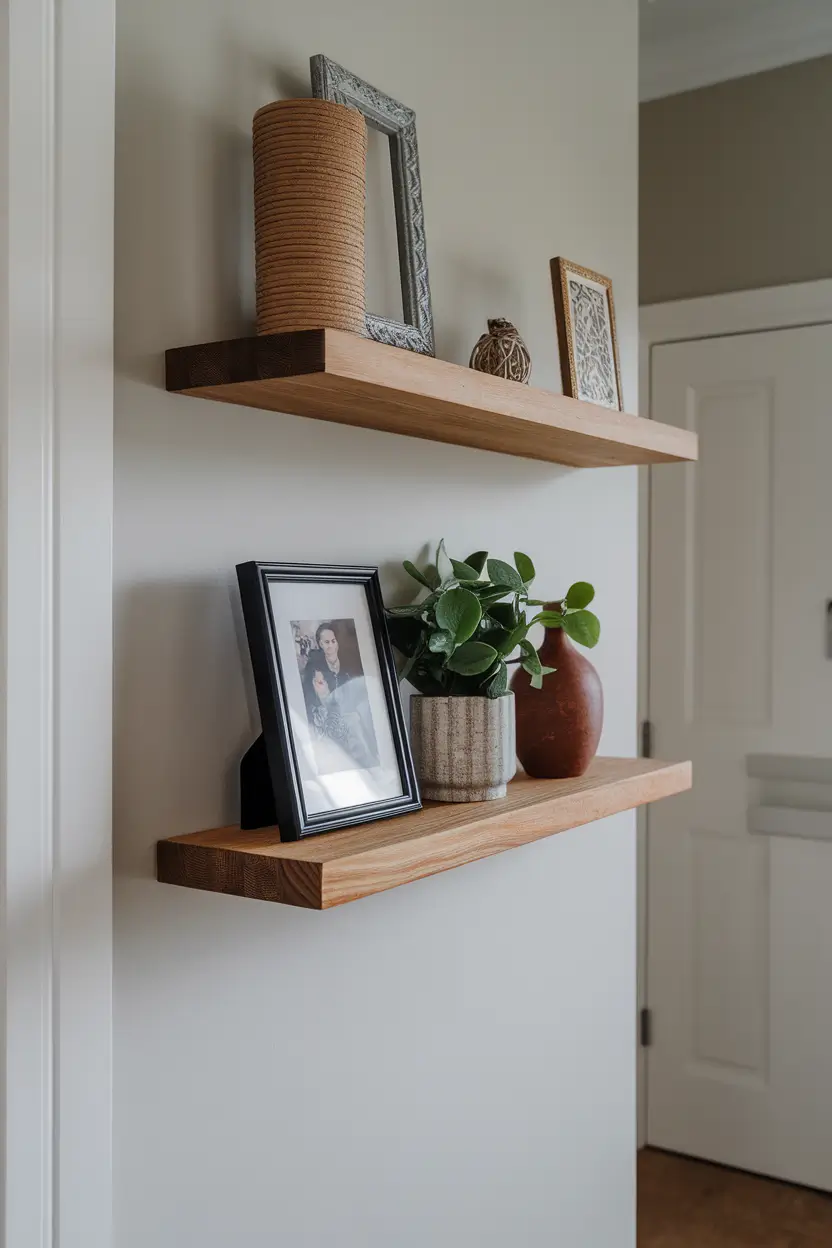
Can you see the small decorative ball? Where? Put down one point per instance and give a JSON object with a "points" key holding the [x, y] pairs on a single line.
{"points": [[502, 352]]}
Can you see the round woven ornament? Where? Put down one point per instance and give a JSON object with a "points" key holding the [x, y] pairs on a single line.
{"points": [[309, 179], [502, 352]]}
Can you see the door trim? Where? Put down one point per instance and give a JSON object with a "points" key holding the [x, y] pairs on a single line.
{"points": [[712, 316], [56, 509]]}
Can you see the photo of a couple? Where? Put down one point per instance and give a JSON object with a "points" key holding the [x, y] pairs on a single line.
{"points": [[335, 693]]}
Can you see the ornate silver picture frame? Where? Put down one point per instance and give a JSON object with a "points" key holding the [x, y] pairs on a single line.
{"points": [[331, 81]]}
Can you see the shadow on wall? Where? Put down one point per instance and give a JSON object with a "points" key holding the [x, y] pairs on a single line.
{"points": [[475, 290], [178, 642]]}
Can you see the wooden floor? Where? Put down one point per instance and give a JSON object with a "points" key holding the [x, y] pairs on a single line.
{"points": [[691, 1204]]}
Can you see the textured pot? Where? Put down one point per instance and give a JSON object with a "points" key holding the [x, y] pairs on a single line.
{"points": [[559, 726], [464, 748]]}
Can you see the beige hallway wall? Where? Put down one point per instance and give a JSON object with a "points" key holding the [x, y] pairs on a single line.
{"points": [[736, 184], [451, 1064]]}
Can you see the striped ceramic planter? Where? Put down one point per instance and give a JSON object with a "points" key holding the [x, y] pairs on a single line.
{"points": [[464, 747]]}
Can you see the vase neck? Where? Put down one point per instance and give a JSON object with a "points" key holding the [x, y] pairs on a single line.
{"points": [[555, 643], [555, 646]]}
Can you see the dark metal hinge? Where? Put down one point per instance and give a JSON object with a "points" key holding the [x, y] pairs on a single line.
{"points": [[646, 1028], [647, 738]]}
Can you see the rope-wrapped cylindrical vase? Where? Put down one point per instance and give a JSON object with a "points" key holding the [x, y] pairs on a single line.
{"points": [[309, 175]]}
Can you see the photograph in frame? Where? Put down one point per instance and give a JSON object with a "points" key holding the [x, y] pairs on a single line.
{"points": [[328, 696]]}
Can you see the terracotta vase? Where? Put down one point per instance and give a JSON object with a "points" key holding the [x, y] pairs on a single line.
{"points": [[559, 726]]}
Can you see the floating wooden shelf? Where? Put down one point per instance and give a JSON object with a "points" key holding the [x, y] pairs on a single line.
{"points": [[328, 870], [331, 375]]}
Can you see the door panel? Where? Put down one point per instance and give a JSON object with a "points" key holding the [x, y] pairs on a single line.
{"points": [[730, 536], [729, 912], [739, 927]]}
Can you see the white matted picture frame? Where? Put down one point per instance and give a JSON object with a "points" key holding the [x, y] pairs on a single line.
{"points": [[587, 338], [334, 737]]}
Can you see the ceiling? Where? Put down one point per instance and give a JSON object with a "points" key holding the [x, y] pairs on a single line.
{"points": [[693, 43]]}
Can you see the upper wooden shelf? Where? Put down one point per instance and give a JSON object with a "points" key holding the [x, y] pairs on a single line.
{"points": [[331, 375], [328, 870]]}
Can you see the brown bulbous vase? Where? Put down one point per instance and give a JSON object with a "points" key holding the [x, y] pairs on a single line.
{"points": [[559, 726]]}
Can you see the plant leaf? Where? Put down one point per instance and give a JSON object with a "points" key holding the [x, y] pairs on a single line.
{"points": [[441, 642], [427, 604], [496, 637], [477, 560], [549, 619], [493, 593], [472, 658], [580, 595], [536, 680], [531, 661], [464, 571], [412, 570], [459, 612], [524, 566], [505, 614], [583, 627], [414, 608], [514, 639], [444, 567], [501, 573], [498, 684]]}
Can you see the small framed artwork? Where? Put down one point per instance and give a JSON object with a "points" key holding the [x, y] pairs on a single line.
{"points": [[332, 719], [585, 315]]}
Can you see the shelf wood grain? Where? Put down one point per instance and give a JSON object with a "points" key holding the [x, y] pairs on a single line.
{"points": [[328, 870], [327, 374]]}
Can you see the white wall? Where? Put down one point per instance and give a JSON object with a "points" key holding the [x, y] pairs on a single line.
{"points": [[449, 1064]]}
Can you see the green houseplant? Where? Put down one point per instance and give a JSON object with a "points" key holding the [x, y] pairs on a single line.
{"points": [[457, 641]]}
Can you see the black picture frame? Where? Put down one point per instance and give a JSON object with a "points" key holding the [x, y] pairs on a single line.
{"points": [[273, 761]]}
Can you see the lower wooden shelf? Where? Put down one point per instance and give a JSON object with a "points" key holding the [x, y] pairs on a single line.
{"points": [[328, 870]]}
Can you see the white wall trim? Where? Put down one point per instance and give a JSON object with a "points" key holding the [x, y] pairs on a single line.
{"points": [[713, 316], [56, 136], [744, 312], [737, 44]]}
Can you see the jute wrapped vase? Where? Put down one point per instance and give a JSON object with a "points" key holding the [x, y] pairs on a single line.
{"points": [[309, 177], [464, 748], [502, 352]]}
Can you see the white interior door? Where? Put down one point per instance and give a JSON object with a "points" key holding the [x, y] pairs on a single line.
{"points": [[739, 941]]}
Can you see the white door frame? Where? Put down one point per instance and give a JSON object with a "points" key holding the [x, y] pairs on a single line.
{"points": [[56, 510], [714, 316]]}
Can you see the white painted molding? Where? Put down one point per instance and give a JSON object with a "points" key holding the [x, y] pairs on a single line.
{"points": [[792, 767], [735, 43], [56, 136], [26, 761], [790, 821], [745, 312]]}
